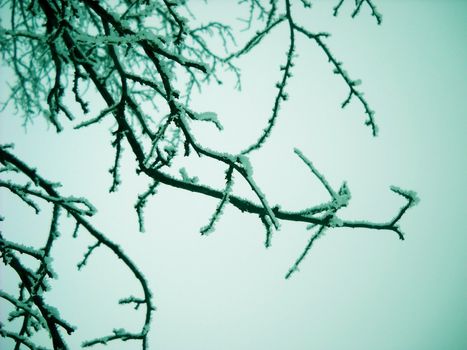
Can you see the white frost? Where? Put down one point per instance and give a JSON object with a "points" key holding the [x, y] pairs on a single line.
{"points": [[209, 117]]}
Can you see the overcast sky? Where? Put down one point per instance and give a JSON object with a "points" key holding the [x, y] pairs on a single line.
{"points": [[357, 289]]}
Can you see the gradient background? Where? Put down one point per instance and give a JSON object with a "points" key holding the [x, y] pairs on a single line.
{"points": [[357, 289]]}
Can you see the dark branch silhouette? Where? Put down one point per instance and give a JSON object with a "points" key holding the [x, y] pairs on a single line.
{"points": [[142, 59]]}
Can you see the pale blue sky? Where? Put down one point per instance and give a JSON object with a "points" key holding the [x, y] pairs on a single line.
{"points": [[357, 289]]}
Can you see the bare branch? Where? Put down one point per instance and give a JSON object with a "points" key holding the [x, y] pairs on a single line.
{"points": [[144, 59]]}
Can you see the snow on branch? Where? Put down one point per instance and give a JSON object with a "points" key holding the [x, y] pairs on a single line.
{"points": [[302, 256], [141, 203], [358, 5], [34, 282], [220, 207], [143, 58]]}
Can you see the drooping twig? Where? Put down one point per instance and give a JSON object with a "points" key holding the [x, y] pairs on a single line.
{"points": [[34, 282], [302, 256]]}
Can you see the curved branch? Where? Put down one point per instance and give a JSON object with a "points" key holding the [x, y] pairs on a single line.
{"points": [[8, 158]]}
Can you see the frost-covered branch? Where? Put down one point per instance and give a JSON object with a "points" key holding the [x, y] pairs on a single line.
{"points": [[358, 5], [302, 256], [143, 59], [220, 207], [141, 203], [35, 281]]}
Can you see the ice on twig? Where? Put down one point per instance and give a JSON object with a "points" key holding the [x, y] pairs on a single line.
{"points": [[246, 164], [209, 117], [186, 177], [220, 207], [335, 222], [315, 171], [411, 196]]}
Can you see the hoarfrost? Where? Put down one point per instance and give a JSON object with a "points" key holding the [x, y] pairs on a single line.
{"points": [[209, 117]]}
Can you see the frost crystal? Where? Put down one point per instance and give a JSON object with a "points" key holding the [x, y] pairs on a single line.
{"points": [[187, 178], [209, 117], [246, 164], [336, 222], [410, 195]]}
